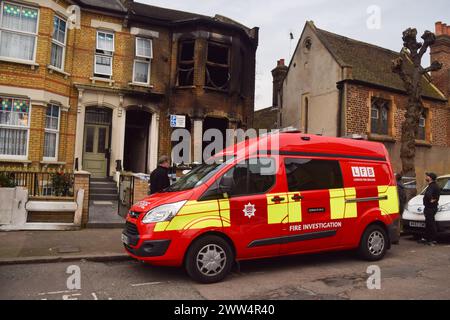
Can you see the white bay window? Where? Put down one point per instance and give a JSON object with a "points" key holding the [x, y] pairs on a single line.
{"points": [[144, 54], [51, 141], [18, 32], [14, 128]]}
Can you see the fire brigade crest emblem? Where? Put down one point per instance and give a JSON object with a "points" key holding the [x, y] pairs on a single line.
{"points": [[249, 210]]}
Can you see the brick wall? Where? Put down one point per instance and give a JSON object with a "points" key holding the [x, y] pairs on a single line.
{"points": [[82, 180], [440, 51], [41, 78], [141, 190], [358, 114]]}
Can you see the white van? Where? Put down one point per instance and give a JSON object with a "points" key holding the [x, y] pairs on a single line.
{"points": [[414, 218]]}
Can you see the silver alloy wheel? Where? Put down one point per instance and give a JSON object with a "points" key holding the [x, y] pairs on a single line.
{"points": [[211, 260], [376, 243]]}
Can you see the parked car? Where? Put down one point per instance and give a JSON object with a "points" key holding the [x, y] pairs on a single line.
{"points": [[307, 194], [414, 217]]}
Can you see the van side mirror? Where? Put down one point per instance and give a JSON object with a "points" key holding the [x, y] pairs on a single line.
{"points": [[226, 184]]}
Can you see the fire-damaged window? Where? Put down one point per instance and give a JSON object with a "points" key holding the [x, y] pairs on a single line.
{"points": [[218, 66], [380, 116], [186, 63]]}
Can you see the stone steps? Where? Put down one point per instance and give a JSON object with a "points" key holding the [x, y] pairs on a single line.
{"points": [[103, 189]]}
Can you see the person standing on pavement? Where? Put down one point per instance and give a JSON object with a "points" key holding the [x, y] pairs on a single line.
{"points": [[401, 192], [159, 179], [431, 203]]}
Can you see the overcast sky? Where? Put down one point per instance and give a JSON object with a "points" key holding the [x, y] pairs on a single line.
{"points": [[277, 18]]}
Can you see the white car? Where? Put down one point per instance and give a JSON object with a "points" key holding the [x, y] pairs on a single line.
{"points": [[414, 218]]}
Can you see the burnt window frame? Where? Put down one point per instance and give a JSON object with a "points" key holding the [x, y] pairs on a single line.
{"points": [[210, 84], [379, 128], [180, 62]]}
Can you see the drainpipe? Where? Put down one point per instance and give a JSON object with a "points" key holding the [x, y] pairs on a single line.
{"points": [[340, 87]]}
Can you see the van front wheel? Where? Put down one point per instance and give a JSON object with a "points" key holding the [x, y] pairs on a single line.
{"points": [[374, 243], [209, 259]]}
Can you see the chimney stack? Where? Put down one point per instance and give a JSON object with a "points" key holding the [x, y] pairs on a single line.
{"points": [[278, 74], [440, 51]]}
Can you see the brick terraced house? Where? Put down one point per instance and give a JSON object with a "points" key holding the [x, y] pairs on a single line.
{"points": [[337, 86], [91, 84]]}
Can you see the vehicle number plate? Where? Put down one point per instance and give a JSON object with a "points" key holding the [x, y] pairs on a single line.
{"points": [[417, 224], [125, 239]]}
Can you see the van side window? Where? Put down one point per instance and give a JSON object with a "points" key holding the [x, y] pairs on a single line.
{"points": [[308, 174], [254, 176]]}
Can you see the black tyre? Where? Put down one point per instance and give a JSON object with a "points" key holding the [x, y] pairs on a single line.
{"points": [[374, 243], [209, 259]]}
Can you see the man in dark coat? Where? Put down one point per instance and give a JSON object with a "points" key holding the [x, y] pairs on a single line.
{"points": [[431, 203], [401, 193], [159, 179]]}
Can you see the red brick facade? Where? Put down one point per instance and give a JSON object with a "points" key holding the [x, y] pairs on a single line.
{"points": [[357, 119]]}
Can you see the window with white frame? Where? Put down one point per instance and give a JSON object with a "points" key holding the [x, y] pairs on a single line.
{"points": [[58, 43], [52, 117], [18, 31], [14, 127], [104, 54], [142, 63]]}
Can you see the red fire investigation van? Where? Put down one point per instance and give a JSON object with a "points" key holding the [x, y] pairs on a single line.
{"points": [[282, 194]]}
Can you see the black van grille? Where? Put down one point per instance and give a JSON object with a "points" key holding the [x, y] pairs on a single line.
{"points": [[131, 229]]}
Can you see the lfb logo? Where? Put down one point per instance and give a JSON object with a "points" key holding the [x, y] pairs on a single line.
{"points": [[363, 172]]}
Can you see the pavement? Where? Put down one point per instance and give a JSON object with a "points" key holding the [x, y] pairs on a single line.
{"points": [[105, 215], [24, 247], [409, 271]]}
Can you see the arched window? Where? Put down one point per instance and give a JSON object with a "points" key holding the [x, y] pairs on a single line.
{"points": [[380, 116]]}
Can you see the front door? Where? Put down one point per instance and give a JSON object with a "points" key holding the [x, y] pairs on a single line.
{"points": [[96, 150]]}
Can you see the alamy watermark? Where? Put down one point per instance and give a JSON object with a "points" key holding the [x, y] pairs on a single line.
{"points": [[373, 22], [213, 141], [374, 280]]}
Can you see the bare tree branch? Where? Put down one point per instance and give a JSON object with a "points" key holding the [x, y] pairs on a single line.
{"points": [[410, 41], [397, 67], [429, 39], [435, 66]]}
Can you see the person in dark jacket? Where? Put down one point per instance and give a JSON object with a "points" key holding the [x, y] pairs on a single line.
{"points": [[159, 179], [401, 193], [431, 203]]}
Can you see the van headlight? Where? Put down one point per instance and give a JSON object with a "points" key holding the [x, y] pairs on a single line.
{"points": [[445, 207], [163, 213]]}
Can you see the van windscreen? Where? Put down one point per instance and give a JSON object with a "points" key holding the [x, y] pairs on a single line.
{"points": [[196, 177]]}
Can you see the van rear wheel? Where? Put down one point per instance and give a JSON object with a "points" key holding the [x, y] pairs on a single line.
{"points": [[374, 243], [209, 259]]}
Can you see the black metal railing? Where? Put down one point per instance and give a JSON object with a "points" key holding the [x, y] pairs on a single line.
{"points": [[41, 184]]}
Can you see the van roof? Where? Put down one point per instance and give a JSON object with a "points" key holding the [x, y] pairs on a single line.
{"points": [[309, 145]]}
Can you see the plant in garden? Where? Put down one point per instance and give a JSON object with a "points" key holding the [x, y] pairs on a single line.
{"points": [[61, 183], [6, 181]]}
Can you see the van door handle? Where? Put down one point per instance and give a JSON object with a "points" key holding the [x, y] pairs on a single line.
{"points": [[278, 199], [297, 198]]}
